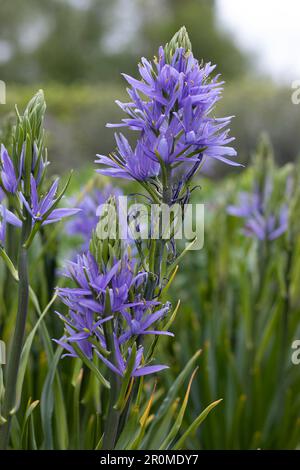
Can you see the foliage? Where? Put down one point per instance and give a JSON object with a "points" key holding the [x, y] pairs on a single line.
{"points": [[243, 310]]}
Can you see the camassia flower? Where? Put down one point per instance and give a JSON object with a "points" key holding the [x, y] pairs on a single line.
{"points": [[121, 365], [137, 164], [259, 221], [130, 315], [9, 179], [171, 108], [43, 209], [7, 217]]}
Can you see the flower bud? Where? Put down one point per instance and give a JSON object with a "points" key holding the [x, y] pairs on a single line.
{"points": [[180, 39]]}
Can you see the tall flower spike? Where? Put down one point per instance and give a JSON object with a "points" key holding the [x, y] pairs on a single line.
{"points": [[130, 315], [170, 106], [24, 191]]}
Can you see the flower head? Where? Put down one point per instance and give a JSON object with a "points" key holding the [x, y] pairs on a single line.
{"points": [[130, 315], [171, 108], [260, 222]]}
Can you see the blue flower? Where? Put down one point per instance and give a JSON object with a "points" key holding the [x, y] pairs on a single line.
{"points": [[7, 217], [173, 119], [127, 163], [131, 316], [142, 320], [43, 209], [121, 365], [260, 222], [9, 179]]}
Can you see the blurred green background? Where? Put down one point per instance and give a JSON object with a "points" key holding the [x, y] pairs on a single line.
{"points": [[77, 49]]}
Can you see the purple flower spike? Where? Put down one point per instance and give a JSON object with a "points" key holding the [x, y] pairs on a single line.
{"points": [[131, 316], [173, 118], [259, 221]]}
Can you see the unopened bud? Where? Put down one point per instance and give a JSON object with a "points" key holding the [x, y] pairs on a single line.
{"points": [[180, 39]]}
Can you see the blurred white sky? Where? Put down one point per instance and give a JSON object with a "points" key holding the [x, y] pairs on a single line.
{"points": [[268, 28]]}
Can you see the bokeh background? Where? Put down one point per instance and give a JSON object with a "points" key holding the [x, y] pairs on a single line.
{"points": [[77, 49]]}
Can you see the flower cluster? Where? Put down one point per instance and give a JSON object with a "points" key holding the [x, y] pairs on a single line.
{"points": [[171, 109], [260, 222], [22, 176], [110, 295]]}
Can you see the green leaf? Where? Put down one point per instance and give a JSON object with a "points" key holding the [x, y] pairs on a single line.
{"points": [[25, 427], [182, 254], [76, 411], [170, 397], [179, 418], [194, 426], [25, 355], [163, 429], [61, 427], [47, 401], [121, 401], [9, 264], [175, 387], [136, 441], [91, 366]]}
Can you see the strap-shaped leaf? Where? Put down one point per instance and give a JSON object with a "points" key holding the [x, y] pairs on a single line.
{"points": [[25, 355], [178, 422], [194, 426], [170, 398]]}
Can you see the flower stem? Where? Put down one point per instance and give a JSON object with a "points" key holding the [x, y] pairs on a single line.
{"points": [[12, 367], [113, 415]]}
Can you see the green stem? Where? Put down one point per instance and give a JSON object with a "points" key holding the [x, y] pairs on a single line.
{"points": [[13, 364], [113, 415], [155, 274], [10, 244], [284, 331]]}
